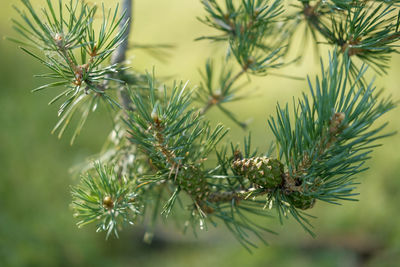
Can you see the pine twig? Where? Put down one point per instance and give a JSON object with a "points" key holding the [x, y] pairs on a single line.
{"points": [[215, 99]]}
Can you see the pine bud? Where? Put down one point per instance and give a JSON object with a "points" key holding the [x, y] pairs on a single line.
{"points": [[336, 121], [108, 203], [155, 117], [59, 39], [250, 61], [262, 171]]}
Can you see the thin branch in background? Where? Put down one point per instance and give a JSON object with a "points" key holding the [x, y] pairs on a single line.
{"points": [[160, 52], [119, 55]]}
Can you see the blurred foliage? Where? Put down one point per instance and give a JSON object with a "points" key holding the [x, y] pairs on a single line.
{"points": [[36, 226]]}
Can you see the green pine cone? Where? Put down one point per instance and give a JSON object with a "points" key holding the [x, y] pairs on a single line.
{"points": [[301, 201], [191, 179], [262, 171]]}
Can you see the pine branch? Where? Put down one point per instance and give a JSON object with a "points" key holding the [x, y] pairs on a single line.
{"points": [[105, 199], [163, 157], [247, 28], [74, 53], [329, 140], [366, 30]]}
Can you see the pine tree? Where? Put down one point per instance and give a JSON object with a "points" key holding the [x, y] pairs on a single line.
{"points": [[164, 158]]}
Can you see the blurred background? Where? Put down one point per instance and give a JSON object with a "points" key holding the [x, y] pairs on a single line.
{"points": [[36, 223]]}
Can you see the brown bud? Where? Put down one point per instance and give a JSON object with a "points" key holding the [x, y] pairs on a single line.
{"points": [[333, 130], [207, 209], [336, 120], [237, 155], [58, 38], [250, 61], [93, 53], [85, 67], [340, 116], [108, 202], [155, 118]]}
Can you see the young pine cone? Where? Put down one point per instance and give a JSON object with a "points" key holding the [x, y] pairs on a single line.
{"points": [[261, 171], [191, 179], [301, 201]]}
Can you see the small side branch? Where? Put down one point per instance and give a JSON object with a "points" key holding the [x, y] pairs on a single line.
{"points": [[215, 99]]}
